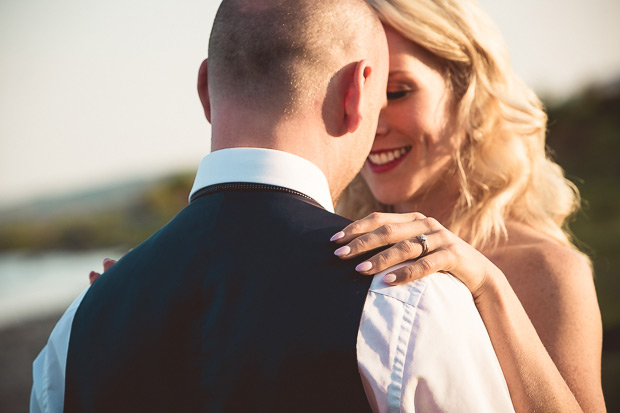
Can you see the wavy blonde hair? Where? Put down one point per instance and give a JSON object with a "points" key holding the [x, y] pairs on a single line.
{"points": [[503, 168]]}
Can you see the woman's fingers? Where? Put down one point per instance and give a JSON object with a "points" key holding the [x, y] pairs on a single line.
{"points": [[473, 272], [107, 264], [371, 223], [387, 234], [429, 264], [93, 276], [402, 251]]}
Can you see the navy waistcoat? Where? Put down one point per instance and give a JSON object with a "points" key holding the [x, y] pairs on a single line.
{"points": [[238, 304]]}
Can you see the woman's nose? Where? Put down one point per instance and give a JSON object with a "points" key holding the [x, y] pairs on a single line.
{"points": [[382, 125]]}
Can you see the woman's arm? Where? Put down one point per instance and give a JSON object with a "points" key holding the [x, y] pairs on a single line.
{"points": [[534, 381], [555, 286]]}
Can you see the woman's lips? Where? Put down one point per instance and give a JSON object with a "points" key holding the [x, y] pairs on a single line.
{"points": [[386, 159]]}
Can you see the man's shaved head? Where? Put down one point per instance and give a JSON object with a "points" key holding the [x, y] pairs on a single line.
{"points": [[281, 54]]}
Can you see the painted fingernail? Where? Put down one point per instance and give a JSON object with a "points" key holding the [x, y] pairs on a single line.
{"points": [[93, 276], [337, 236], [363, 267], [389, 278], [342, 251]]}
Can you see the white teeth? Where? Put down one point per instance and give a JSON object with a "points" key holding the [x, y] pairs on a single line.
{"points": [[387, 157]]}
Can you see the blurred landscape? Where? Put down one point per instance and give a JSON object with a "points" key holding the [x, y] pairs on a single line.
{"points": [[584, 138]]}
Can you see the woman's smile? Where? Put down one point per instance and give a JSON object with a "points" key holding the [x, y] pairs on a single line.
{"points": [[384, 160]]}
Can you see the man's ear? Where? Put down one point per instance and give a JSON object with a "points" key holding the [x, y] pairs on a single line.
{"points": [[203, 88], [353, 103]]}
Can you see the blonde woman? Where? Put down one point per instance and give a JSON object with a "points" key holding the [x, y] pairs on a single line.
{"points": [[462, 140]]}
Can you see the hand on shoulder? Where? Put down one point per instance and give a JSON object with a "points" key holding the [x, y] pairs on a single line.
{"points": [[422, 242]]}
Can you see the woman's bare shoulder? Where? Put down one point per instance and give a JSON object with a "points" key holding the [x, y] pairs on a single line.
{"points": [[548, 277], [553, 282], [531, 257]]}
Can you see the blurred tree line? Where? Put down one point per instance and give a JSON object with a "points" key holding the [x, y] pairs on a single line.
{"points": [[584, 137], [124, 225]]}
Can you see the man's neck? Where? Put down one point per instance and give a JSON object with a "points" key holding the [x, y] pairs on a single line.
{"points": [[304, 135], [300, 141]]}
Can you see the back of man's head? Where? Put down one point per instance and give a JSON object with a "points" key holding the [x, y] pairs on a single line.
{"points": [[280, 55]]}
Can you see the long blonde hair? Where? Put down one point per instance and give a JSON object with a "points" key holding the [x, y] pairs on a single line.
{"points": [[503, 169]]}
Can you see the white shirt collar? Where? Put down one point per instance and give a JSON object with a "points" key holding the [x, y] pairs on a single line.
{"points": [[264, 166]]}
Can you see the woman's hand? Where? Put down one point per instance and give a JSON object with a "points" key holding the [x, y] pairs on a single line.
{"points": [[446, 251], [107, 264]]}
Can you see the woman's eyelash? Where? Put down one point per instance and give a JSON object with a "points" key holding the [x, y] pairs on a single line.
{"points": [[396, 95]]}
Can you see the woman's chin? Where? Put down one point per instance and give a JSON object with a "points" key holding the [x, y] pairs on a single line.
{"points": [[388, 197]]}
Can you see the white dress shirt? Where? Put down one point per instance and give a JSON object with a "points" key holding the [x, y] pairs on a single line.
{"points": [[421, 347]]}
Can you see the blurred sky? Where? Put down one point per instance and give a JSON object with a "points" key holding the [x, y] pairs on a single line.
{"points": [[96, 92]]}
